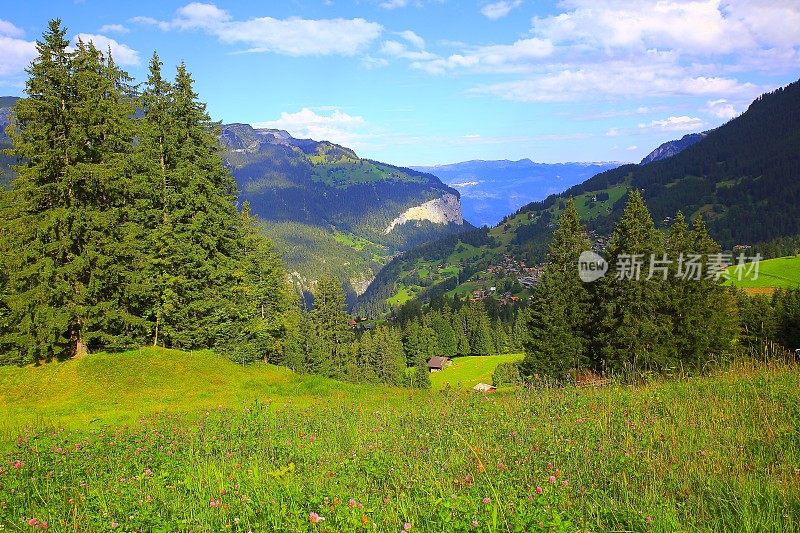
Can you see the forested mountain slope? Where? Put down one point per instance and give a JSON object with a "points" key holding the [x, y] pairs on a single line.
{"points": [[330, 211], [743, 177]]}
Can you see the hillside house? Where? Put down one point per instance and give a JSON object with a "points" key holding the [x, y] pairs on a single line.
{"points": [[437, 364]]}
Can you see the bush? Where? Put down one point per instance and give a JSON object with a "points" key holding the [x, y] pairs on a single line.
{"points": [[506, 374]]}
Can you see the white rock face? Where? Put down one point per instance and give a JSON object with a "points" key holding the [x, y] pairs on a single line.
{"points": [[442, 210]]}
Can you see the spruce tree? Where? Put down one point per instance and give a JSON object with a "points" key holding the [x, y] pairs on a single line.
{"points": [[66, 221], [637, 333], [558, 319], [330, 324], [200, 233]]}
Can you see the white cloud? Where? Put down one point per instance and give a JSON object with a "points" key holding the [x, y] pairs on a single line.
{"points": [[10, 30], [413, 38], [721, 109], [596, 50], [398, 49], [337, 127], [492, 58], [394, 4], [122, 53], [682, 123], [369, 62], [651, 75], [291, 36], [16, 55], [113, 28], [632, 148], [498, 10]]}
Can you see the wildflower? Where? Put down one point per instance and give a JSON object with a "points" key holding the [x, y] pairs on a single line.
{"points": [[487, 500], [407, 526], [564, 483], [312, 438], [17, 464], [549, 466], [148, 472], [386, 501], [364, 520], [649, 519], [314, 518], [33, 522], [352, 503], [114, 525], [552, 479], [453, 496], [474, 523], [539, 490], [214, 503]]}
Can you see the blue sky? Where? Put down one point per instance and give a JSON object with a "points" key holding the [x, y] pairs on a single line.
{"points": [[428, 82]]}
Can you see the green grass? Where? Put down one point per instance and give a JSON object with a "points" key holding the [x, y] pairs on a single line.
{"points": [[466, 372], [780, 273], [403, 295], [119, 388], [718, 453]]}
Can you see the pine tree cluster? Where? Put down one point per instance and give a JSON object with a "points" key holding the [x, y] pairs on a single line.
{"points": [[121, 228]]}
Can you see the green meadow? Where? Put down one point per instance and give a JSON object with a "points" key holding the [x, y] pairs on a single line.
{"points": [[780, 273], [172, 441]]}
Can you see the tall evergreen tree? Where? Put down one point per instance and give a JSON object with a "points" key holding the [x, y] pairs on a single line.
{"points": [[66, 221], [636, 332], [330, 325], [200, 230], [557, 321]]}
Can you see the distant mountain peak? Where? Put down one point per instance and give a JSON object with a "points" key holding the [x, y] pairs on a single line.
{"points": [[672, 148]]}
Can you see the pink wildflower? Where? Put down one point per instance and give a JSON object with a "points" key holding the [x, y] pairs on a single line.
{"points": [[649, 519], [352, 503], [487, 500], [539, 490], [406, 526], [148, 472], [474, 523], [312, 438], [214, 503], [564, 483], [552, 479], [114, 525], [314, 518], [33, 522], [17, 464]]}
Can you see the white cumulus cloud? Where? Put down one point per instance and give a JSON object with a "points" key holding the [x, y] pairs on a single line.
{"points": [[682, 123], [337, 126], [122, 53], [113, 28], [721, 109], [15, 52], [291, 36], [498, 10]]}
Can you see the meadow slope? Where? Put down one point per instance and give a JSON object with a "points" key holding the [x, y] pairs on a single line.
{"points": [[260, 449]]}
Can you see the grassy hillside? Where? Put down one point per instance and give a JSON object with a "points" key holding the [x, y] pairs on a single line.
{"points": [[466, 372], [707, 454], [780, 273], [112, 389]]}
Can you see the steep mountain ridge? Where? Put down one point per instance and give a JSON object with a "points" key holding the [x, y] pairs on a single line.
{"points": [[674, 147]]}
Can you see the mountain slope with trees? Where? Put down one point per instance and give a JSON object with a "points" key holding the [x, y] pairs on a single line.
{"points": [[743, 178], [318, 186]]}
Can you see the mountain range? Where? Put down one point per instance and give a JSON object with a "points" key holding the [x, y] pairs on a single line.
{"points": [[330, 211], [743, 178], [492, 189]]}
